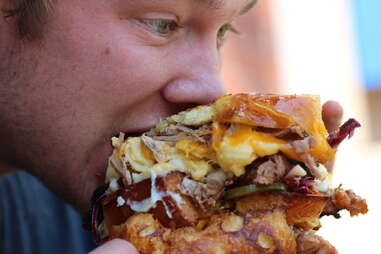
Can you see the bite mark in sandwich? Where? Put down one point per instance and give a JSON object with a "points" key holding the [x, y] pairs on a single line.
{"points": [[244, 174]]}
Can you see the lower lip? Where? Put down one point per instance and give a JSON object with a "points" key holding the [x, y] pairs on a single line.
{"points": [[131, 133]]}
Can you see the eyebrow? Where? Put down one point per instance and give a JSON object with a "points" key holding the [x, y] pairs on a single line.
{"points": [[217, 4]]}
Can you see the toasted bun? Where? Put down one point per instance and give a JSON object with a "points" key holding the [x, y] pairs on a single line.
{"points": [[263, 223], [257, 232], [274, 111]]}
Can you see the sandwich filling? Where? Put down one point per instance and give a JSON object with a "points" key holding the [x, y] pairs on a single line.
{"points": [[221, 155]]}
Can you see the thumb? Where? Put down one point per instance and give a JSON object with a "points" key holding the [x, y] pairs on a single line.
{"points": [[332, 114], [116, 246]]}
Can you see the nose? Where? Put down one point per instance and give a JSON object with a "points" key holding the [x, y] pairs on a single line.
{"points": [[198, 78]]}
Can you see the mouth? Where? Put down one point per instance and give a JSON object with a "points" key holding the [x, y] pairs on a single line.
{"points": [[130, 134], [135, 131]]}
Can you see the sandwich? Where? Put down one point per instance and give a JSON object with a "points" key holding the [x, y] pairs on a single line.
{"points": [[244, 174]]}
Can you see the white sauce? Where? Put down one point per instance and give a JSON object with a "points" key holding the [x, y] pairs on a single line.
{"points": [[139, 177], [167, 211], [151, 202], [176, 197], [120, 201], [113, 186], [155, 195], [323, 186], [141, 206]]}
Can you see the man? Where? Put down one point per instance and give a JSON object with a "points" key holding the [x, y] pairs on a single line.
{"points": [[75, 73]]}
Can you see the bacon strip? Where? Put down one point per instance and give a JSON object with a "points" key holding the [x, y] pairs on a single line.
{"points": [[345, 130]]}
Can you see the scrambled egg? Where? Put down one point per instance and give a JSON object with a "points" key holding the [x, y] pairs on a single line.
{"points": [[135, 153], [241, 145]]}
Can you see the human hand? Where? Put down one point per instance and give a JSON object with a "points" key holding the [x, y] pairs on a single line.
{"points": [[116, 246], [332, 114]]}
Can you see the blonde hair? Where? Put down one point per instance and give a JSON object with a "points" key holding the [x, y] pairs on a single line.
{"points": [[30, 16]]}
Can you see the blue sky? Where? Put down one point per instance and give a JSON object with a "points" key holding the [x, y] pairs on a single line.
{"points": [[367, 20]]}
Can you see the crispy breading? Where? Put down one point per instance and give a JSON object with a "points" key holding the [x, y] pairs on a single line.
{"points": [[301, 211], [261, 232]]}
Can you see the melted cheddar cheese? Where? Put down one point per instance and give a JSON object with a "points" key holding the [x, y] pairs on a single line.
{"points": [[141, 159], [241, 145]]}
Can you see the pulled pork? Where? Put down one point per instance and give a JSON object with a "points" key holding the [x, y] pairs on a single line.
{"points": [[178, 131], [205, 194], [272, 170], [302, 147], [267, 170], [157, 147], [292, 133]]}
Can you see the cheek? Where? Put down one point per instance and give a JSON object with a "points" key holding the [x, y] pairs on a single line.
{"points": [[120, 73], [105, 60]]}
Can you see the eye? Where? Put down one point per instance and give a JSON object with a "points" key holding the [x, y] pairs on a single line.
{"points": [[222, 32], [163, 27]]}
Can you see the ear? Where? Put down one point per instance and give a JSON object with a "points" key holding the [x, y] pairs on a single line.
{"points": [[4, 5]]}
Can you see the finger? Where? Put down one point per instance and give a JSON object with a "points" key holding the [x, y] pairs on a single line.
{"points": [[116, 246], [332, 114]]}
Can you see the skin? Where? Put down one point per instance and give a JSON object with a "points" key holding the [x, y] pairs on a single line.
{"points": [[116, 246], [100, 70]]}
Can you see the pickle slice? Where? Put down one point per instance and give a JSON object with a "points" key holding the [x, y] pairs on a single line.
{"points": [[253, 188]]}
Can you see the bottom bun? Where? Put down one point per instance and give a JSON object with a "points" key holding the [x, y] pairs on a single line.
{"points": [[256, 232]]}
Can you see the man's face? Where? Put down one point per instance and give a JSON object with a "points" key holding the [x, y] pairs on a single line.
{"points": [[105, 67]]}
